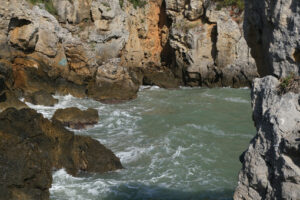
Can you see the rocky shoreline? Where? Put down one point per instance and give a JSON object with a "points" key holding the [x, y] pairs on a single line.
{"points": [[271, 167], [105, 50]]}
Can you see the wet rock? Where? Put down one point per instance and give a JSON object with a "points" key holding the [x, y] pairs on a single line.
{"points": [[41, 98], [113, 83], [32, 146], [76, 118], [8, 99], [160, 76]]}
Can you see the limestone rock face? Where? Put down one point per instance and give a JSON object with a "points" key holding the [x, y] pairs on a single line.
{"points": [[271, 167], [272, 32], [113, 84], [182, 42], [208, 43], [32, 146], [76, 118]]}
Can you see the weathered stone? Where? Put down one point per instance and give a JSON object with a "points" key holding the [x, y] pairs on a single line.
{"points": [[31, 147], [23, 34], [212, 43], [160, 76], [76, 118], [271, 167], [41, 98], [113, 84], [272, 31]]}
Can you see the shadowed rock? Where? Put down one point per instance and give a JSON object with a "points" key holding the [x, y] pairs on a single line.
{"points": [[41, 98], [32, 146]]}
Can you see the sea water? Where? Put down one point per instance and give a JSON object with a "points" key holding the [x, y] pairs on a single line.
{"points": [[173, 144]]}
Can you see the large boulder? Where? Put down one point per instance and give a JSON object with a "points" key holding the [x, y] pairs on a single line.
{"points": [[41, 98], [113, 83], [76, 118], [8, 99], [32, 146]]}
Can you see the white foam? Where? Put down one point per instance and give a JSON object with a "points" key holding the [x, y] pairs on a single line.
{"points": [[236, 100]]}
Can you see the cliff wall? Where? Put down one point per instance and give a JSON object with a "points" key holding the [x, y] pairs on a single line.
{"points": [[106, 49], [271, 167]]}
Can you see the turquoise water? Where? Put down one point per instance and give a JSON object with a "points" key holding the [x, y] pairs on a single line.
{"points": [[174, 144]]}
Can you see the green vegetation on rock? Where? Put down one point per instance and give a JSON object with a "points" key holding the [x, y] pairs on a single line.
{"points": [[48, 5], [224, 3], [138, 3], [290, 83]]}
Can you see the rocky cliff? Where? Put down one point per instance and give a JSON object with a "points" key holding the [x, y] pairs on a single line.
{"points": [[209, 45], [271, 167], [106, 49]]}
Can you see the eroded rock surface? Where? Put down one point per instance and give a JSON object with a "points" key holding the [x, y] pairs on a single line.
{"points": [[272, 32], [32, 146], [76, 118], [41, 98], [209, 44], [271, 167], [182, 43]]}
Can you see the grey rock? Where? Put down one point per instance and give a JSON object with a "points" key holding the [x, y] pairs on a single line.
{"points": [[272, 32], [271, 167], [211, 45]]}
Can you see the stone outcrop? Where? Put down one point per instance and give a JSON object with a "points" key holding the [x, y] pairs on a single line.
{"points": [[166, 43], [32, 146], [271, 167], [272, 32], [271, 164], [7, 97], [113, 83], [209, 45], [76, 118], [41, 98]]}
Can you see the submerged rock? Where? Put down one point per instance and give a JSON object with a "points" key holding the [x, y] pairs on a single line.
{"points": [[41, 98], [32, 146], [76, 118]]}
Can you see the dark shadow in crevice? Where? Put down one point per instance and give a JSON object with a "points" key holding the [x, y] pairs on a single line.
{"points": [[16, 22]]}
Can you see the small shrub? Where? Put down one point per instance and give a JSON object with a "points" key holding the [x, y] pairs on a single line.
{"points": [[105, 4], [291, 83], [48, 5], [121, 2], [138, 3], [186, 25], [224, 3]]}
